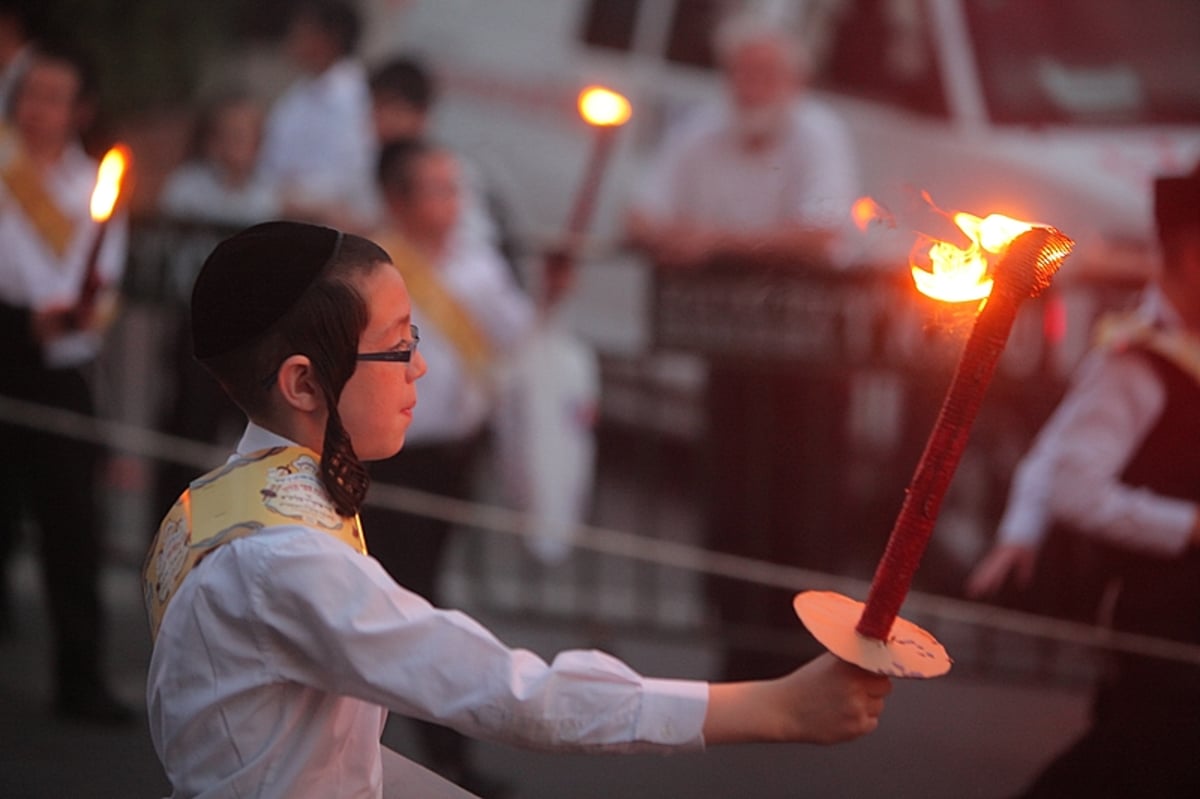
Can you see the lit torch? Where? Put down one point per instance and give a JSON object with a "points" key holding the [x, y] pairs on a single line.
{"points": [[871, 636], [109, 179], [605, 111]]}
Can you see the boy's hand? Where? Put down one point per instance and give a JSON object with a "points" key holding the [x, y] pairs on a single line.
{"points": [[828, 701], [825, 701], [1003, 562], [48, 324]]}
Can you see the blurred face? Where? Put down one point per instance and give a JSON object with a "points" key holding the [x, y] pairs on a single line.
{"points": [[46, 111], [377, 403], [760, 75], [395, 118], [431, 211], [235, 138], [309, 46]]}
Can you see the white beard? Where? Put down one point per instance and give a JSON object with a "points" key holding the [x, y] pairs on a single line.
{"points": [[761, 125]]}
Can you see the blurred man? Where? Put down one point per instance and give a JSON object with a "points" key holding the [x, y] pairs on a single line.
{"points": [[768, 175], [1119, 462], [404, 93], [764, 179], [49, 341], [319, 146]]}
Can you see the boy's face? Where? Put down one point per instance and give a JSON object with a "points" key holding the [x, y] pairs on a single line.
{"points": [[377, 403], [396, 118], [432, 209], [236, 136], [47, 103]]}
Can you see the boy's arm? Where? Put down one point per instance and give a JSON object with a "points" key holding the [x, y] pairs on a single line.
{"points": [[825, 701]]}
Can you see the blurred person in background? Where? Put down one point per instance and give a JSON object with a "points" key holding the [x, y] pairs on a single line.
{"points": [[765, 178], [546, 403], [473, 316], [404, 93], [1119, 463], [766, 175], [49, 342], [222, 181], [318, 145], [16, 23], [221, 185]]}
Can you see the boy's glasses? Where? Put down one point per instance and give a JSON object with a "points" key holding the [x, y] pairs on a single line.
{"points": [[402, 353]]}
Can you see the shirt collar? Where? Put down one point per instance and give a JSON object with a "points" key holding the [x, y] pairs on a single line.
{"points": [[259, 438]]}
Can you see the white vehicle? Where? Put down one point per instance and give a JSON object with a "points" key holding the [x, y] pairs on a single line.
{"points": [[1058, 112]]}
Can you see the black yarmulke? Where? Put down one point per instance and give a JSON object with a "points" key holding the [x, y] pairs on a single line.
{"points": [[252, 278]]}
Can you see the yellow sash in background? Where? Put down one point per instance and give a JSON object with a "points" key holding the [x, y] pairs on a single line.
{"points": [[274, 486], [437, 303], [24, 184]]}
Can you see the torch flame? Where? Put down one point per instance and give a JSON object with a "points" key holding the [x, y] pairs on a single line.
{"points": [[603, 107], [108, 182], [865, 211], [958, 275]]}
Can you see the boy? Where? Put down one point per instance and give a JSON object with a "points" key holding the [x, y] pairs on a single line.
{"points": [[48, 351], [280, 645]]}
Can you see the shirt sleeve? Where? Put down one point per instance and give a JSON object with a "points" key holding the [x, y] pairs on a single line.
{"points": [[1027, 515], [501, 308], [1103, 420], [333, 618], [828, 181]]}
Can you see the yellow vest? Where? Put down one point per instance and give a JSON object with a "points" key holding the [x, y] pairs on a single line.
{"points": [[281, 485]]}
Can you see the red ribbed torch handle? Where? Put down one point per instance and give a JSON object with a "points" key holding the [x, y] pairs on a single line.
{"points": [[1023, 272]]}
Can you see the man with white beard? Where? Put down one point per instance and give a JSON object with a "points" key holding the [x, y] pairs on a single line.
{"points": [[765, 178], [766, 174]]}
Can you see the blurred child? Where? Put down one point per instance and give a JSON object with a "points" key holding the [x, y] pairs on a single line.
{"points": [[222, 182]]}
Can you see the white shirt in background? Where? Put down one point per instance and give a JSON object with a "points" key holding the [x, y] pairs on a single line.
{"points": [[197, 191], [319, 143], [704, 176], [1073, 471], [33, 276]]}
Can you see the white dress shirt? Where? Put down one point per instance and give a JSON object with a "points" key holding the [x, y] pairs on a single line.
{"points": [[282, 652], [704, 176], [1073, 471], [319, 142], [198, 191], [33, 276]]}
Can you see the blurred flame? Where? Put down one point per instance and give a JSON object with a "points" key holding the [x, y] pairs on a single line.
{"points": [[108, 182], [864, 211], [958, 275], [603, 107]]}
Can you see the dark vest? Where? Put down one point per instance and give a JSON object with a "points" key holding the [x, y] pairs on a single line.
{"points": [[1160, 596]]}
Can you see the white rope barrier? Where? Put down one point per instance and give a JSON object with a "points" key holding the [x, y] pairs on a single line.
{"points": [[136, 440]]}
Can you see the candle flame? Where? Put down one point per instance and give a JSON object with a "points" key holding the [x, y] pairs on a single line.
{"points": [[603, 107], [108, 182], [958, 275]]}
